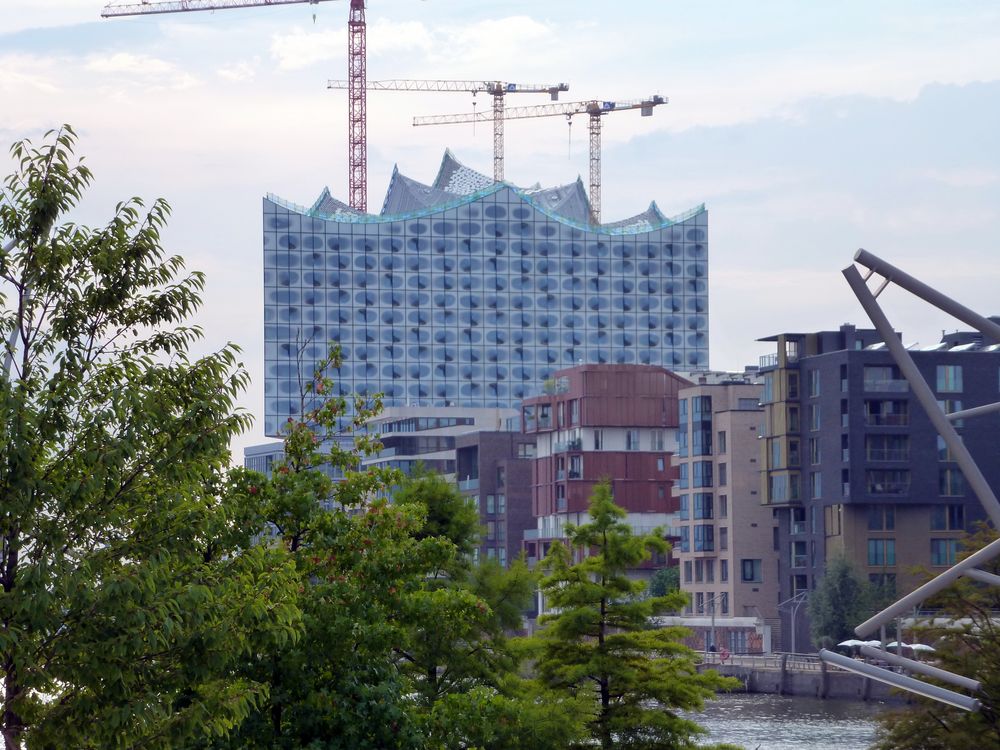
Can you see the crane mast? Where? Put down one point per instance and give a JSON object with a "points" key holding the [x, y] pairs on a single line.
{"points": [[594, 109], [497, 89]]}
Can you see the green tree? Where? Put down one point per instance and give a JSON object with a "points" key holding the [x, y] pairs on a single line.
{"points": [[842, 599], [599, 644], [664, 581], [129, 587], [966, 636]]}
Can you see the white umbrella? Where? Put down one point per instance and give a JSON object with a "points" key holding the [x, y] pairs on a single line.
{"points": [[852, 643], [921, 647], [875, 644], [897, 644]]}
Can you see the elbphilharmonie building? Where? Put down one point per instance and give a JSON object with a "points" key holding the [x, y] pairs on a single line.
{"points": [[468, 292]]}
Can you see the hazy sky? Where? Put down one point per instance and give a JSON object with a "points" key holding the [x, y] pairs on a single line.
{"points": [[809, 130]]}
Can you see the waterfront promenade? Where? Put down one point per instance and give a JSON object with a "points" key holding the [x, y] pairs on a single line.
{"points": [[798, 675]]}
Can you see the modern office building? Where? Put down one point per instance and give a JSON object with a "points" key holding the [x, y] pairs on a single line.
{"points": [[852, 463], [494, 472], [471, 293], [726, 548], [603, 422]]}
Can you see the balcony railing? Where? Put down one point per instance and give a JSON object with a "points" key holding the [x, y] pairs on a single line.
{"points": [[560, 474], [800, 561], [573, 474], [768, 360], [472, 483], [568, 445], [888, 454], [888, 488], [798, 527], [887, 386], [887, 420]]}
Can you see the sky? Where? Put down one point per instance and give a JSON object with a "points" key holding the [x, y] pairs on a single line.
{"points": [[808, 130]]}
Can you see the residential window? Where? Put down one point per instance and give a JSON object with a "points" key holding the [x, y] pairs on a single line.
{"points": [[951, 483], [814, 418], [501, 532], [526, 450], [887, 481], [793, 419], [798, 521], [491, 504], [704, 538], [881, 552], [751, 571], [574, 411], [660, 463], [793, 385], [887, 447], [800, 583], [709, 571], [723, 506], [724, 570], [687, 571], [723, 475], [656, 442], [884, 378], [699, 571], [701, 441], [685, 534], [702, 474], [682, 410], [768, 395], [682, 478], [501, 503], [944, 551], [950, 405], [502, 557], [816, 484], [799, 554], [631, 440], [682, 440], [776, 462], [943, 451], [950, 517], [881, 517], [501, 476], [491, 530], [723, 539], [949, 378], [598, 440], [720, 441], [684, 510], [814, 383], [702, 505], [699, 603]]}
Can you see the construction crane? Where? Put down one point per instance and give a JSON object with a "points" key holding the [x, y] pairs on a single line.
{"points": [[357, 149], [498, 90], [595, 109]]}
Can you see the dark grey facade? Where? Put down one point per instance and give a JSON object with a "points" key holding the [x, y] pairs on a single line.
{"points": [[853, 464]]}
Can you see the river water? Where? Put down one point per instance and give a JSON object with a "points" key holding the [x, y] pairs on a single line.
{"points": [[772, 722]]}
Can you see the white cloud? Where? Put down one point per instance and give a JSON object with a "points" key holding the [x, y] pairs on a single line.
{"points": [[300, 49], [150, 71], [240, 71], [963, 177]]}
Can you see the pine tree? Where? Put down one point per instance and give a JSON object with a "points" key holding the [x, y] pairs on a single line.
{"points": [[598, 643]]}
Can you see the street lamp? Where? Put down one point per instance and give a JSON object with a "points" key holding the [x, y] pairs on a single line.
{"points": [[793, 605], [711, 611]]}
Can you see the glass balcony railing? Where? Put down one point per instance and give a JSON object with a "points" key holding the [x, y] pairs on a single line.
{"points": [[887, 386]]}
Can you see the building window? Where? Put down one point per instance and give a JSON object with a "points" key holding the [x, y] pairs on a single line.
{"points": [[949, 378], [884, 378], [685, 535], [598, 440], [723, 506], [816, 484], [699, 603], [814, 383], [798, 521], [687, 571], [682, 477], [699, 571], [491, 530], [502, 557], [724, 571], [501, 532], [684, 511], [704, 538], [702, 505], [887, 481], [682, 410], [944, 551], [951, 483], [491, 553], [768, 395], [720, 440], [793, 385], [814, 419], [881, 517], [631, 440], [702, 474], [701, 441], [660, 463], [709, 571], [943, 451], [574, 412], [950, 517], [887, 447], [800, 583], [881, 552], [501, 503], [951, 405], [501, 476], [723, 539], [776, 462], [748, 404], [656, 442], [751, 571], [793, 419], [799, 554], [491, 506], [723, 475], [526, 450]]}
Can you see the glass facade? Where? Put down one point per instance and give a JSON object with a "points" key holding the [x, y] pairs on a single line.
{"points": [[476, 301]]}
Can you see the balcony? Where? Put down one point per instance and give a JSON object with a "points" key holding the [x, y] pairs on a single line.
{"points": [[568, 445], [469, 483], [560, 474], [887, 386], [530, 534], [573, 474], [768, 360], [888, 454], [798, 527], [800, 561], [887, 420], [888, 488]]}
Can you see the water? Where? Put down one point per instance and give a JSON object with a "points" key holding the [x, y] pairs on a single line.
{"points": [[772, 722]]}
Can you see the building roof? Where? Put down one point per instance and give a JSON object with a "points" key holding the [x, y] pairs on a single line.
{"points": [[457, 184]]}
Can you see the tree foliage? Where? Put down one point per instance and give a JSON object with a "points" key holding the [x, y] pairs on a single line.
{"points": [[598, 644], [664, 581], [843, 598], [966, 635], [130, 588]]}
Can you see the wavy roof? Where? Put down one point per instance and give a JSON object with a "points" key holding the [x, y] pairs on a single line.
{"points": [[457, 184]]}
